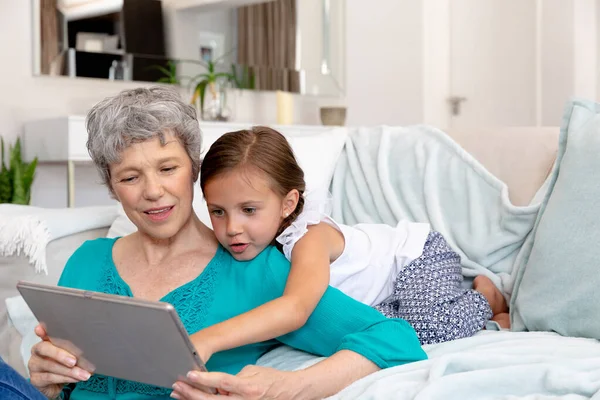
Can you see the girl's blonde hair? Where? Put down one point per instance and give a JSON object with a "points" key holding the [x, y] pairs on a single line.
{"points": [[262, 148]]}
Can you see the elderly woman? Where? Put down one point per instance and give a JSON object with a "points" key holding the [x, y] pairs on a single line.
{"points": [[146, 145]]}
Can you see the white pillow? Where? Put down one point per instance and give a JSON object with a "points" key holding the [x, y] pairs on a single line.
{"points": [[317, 151]]}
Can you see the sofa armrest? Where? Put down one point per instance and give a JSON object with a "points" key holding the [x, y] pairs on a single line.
{"points": [[16, 268]]}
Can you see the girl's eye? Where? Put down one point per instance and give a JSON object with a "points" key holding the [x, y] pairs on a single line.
{"points": [[249, 210], [217, 213]]}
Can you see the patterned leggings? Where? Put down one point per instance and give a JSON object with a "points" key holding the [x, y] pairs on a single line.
{"points": [[428, 294]]}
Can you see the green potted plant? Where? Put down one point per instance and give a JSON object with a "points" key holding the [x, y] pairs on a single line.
{"points": [[17, 177], [169, 72], [215, 82]]}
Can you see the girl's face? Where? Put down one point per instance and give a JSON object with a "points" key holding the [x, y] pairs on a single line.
{"points": [[245, 212], [154, 184]]}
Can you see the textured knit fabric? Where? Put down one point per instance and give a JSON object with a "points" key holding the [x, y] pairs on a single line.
{"points": [[428, 294], [227, 288]]}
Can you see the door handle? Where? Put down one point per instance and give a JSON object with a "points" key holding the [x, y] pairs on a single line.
{"points": [[455, 102]]}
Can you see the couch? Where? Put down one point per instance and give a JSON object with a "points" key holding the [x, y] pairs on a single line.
{"points": [[521, 158]]}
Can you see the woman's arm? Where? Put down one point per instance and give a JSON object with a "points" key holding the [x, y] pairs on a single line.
{"points": [[307, 281], [316, 382]]}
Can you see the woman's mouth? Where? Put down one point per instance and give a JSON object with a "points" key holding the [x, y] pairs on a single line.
{"points": [[159, 214], [239, 247]]}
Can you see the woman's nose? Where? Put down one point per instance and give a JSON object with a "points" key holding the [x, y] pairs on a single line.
{"points": [[153, 189]]}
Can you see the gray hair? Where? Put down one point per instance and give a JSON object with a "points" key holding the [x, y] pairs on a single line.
{"points": [[138, 115]]}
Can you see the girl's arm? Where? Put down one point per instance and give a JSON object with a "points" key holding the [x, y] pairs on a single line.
{"points": [[307, 281]]}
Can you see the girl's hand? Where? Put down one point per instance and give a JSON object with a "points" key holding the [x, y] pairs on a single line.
{"points": [[51, 367], [202, 345], [252, 383]]}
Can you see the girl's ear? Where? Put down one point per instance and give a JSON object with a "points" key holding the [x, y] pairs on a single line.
{"points": [[290, 201]]}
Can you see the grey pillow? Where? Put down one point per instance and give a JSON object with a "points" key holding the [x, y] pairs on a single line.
{"points": [[559, 277]]}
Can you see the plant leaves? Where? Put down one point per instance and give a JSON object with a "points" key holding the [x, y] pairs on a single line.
{"points": [[2, 166], [15, 154], [224, 75], [5, 186], [16, 180], [161, 69], [19, 194], [29, 174], [201, 89]]}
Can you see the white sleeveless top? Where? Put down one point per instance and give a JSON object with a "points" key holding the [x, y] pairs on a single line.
{"points": [[372, 257]]}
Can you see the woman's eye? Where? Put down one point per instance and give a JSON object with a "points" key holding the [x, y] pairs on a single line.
{"points": [[249, 210], [217, 213], [129, 179], [168, 169]]}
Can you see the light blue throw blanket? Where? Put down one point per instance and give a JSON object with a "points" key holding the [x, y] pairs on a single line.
{"points": [[489, 365], [419, 173]]}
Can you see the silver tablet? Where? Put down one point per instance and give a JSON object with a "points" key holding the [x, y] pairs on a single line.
{"points": [[124, 337]]}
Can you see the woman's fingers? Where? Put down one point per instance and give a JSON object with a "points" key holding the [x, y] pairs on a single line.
{"points": [[200, 386], [43, 366], [183, 391], [41, 379], [40, 331], [218, 380], [226, 385], [46, 349], [52, 365]]}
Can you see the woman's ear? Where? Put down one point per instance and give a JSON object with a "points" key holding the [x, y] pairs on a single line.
{"points": [[290, 201]]}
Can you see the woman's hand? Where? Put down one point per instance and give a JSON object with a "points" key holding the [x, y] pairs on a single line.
{"points": [[51, 367], [252, 383]]}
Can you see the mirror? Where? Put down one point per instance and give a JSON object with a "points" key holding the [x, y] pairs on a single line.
{"points": [[204, 45]]}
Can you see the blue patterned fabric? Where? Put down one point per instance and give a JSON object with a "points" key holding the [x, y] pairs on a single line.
{"points": [[428, 294]]}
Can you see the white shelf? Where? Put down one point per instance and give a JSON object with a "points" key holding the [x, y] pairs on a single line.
{"points": [[56, 140], [89, 9], [211, 5]]}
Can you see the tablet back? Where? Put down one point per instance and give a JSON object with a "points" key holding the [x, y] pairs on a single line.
{"points": [[127, 338]]}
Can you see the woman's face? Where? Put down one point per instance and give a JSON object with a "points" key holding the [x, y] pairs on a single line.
{"points": [[154, 184]]}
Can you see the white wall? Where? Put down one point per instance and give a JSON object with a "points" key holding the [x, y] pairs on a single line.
{"points": [[555, 59], [384, 62], [586, 50], [569, 55], [557, 50]]}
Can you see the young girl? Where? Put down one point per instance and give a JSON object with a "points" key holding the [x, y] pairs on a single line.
{"points": [[254, 190]]}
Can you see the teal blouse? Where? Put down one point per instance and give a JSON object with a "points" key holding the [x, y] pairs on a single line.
{"points": [[227, 288]]}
